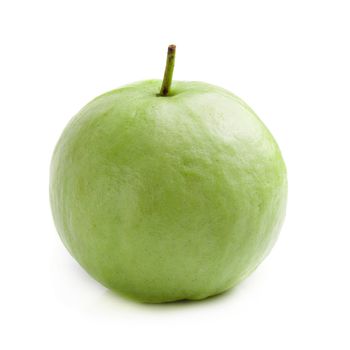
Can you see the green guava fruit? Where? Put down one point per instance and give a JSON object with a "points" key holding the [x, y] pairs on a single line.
{"points": [[171, 195]]}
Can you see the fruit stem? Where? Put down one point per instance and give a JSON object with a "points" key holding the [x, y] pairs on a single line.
{"points": [[168, 73]]}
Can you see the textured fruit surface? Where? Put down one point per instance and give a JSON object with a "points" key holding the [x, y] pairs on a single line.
{"points": [[168, 198]]}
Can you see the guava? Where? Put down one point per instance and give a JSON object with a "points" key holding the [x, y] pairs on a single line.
{"points": [[170, 195]]}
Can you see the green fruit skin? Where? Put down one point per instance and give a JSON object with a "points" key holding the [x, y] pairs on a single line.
{"points": [[168, 198]]}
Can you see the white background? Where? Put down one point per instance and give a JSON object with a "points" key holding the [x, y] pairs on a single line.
{"points": [[290, 60]]}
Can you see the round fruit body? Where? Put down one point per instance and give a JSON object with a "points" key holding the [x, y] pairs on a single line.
{"points": [[168, 198]]}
